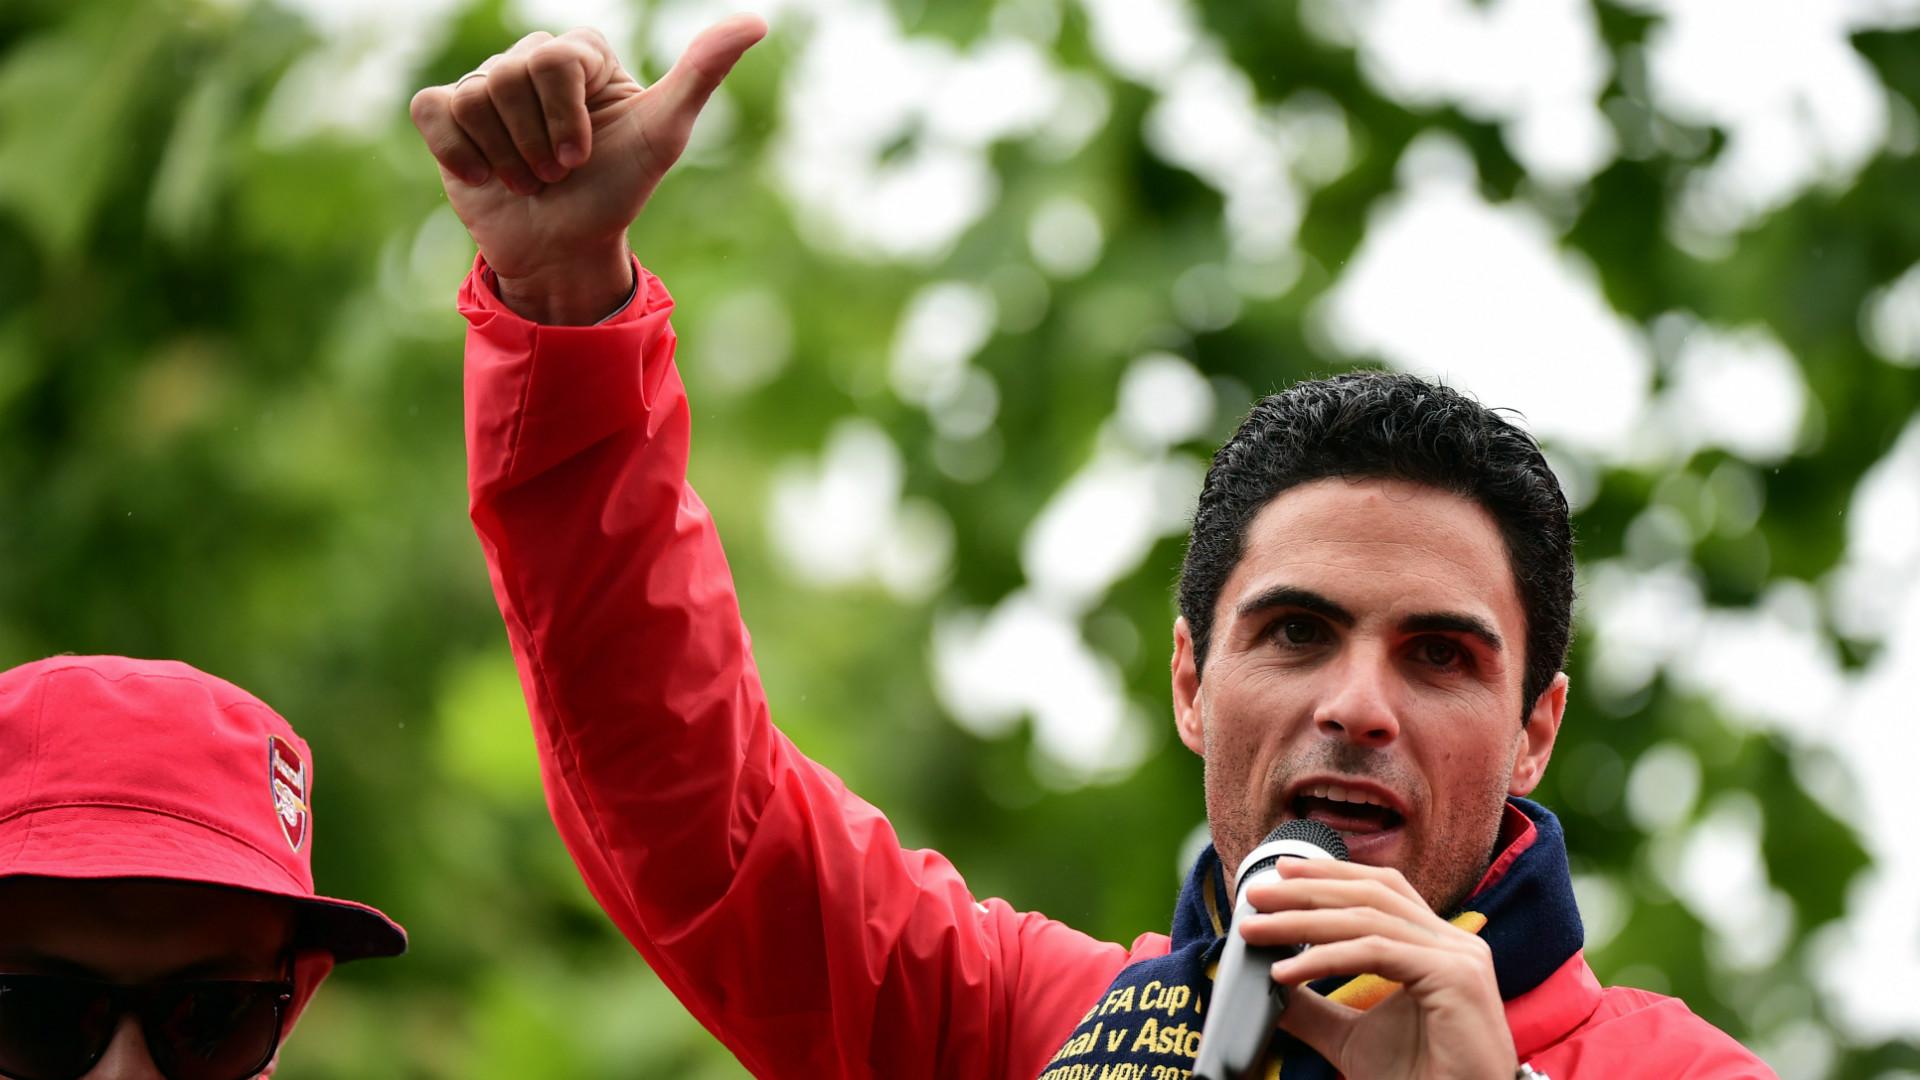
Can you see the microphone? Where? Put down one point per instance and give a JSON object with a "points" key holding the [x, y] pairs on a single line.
{"points": [[1247, 1003]]}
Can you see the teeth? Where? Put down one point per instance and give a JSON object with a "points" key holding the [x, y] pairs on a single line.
{"points": [[1336, 793]]}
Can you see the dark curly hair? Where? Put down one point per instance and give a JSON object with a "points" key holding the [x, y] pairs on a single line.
{"points": [[1390, 426]]}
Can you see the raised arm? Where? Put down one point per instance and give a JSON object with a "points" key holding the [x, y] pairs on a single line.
{"points": [[779, 907]]}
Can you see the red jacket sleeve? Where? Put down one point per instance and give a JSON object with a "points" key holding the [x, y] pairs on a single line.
{"points": [[779, 907]]}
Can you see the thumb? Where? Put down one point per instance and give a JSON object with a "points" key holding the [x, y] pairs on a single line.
{"points": [[1319, 1022], [684, 90]]}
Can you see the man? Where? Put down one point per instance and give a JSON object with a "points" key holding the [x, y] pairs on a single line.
{"points": [[1374, 610], [157, 911]]}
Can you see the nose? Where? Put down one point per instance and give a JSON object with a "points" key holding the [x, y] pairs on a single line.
{"points": [[126, 1057], [1359, 705]]}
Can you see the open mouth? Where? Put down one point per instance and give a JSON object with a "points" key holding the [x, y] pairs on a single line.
{"points": [[1346, 811]]}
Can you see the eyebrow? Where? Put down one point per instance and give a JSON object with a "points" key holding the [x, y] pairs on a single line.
{"points": [[47, 964], [1453, 622], [1427, 622], [1294, 596], [217, 967]]}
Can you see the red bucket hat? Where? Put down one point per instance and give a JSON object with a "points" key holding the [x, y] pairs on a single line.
{"points": [[118, 768]]}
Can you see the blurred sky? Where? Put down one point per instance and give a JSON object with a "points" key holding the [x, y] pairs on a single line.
{"points": [[1444, 283]]}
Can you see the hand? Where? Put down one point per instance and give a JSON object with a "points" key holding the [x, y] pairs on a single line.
{"points": [[549, 150], [1446, 1022]]}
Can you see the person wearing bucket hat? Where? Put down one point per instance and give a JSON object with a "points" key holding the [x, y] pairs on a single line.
{"points": [[158, 917]]}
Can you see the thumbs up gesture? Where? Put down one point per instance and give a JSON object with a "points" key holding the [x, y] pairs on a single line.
{"points": [[549, 150]]}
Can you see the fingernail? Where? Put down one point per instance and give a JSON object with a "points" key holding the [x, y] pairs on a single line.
{"points": [[551, 172], [570, 155], [477, 176]]}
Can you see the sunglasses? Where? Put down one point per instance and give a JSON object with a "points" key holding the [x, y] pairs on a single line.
{"points": [[58, 1028]]}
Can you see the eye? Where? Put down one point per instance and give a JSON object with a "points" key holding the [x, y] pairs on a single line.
{"points": [[1439, 652], [1298, 631]]}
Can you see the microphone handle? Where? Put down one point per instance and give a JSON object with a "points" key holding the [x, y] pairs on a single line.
{"points": [[1246, 1003]]}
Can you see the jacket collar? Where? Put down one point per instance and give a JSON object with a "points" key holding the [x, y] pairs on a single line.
{"points": [[1547, 1013]]}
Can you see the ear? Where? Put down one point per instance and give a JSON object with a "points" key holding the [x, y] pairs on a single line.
{"points": [[310, 968], [1187, 717], [1536, 738]]}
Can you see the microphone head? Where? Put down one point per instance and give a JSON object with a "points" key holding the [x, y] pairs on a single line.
{"points": [[1311, 832], [1306, 839]]}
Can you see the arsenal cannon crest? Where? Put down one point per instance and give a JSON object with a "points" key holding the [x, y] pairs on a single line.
{"points": [[289, 776]]}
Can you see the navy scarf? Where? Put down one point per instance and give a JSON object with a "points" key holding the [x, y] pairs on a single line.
{"points": [[1147, 1025]]}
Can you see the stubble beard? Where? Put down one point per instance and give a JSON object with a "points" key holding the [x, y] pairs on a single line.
{"points": [[1443, 862], [1466, 850]]}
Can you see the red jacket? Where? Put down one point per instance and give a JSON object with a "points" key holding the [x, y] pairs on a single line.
{"points": [[778, 906]]}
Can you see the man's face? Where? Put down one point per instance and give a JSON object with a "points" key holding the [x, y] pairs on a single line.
{"points": [[1365, 671], [135, 932]]}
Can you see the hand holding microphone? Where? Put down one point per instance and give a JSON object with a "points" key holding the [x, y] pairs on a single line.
{"points": [[1446, 1020], [1247, 1003]]}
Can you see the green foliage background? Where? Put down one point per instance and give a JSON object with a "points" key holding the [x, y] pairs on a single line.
{"points": [[230, 434]]}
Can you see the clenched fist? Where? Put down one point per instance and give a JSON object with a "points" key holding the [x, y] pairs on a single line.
{"points": [[549, 150]]}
